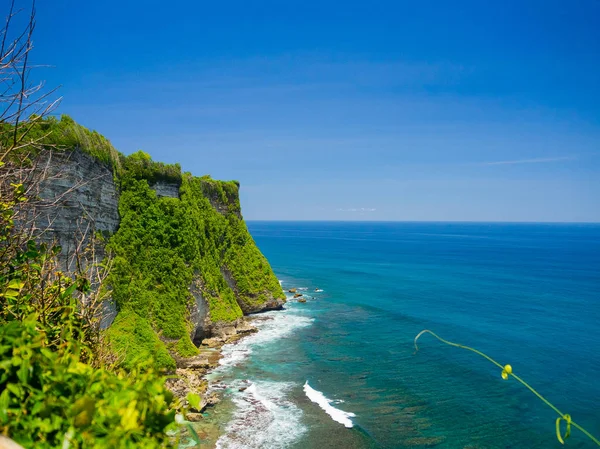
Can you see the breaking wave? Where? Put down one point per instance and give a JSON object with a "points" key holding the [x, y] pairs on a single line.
{"points": [[336, 414]]}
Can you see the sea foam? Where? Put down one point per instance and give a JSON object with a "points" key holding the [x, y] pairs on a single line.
{"points": [[264, 418], [272, 326], [336, 414]]}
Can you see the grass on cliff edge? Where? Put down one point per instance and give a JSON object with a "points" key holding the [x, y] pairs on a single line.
{"points": [[64, 134]]}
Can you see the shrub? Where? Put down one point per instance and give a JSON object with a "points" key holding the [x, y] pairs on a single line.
{"points": [[49, 397]]}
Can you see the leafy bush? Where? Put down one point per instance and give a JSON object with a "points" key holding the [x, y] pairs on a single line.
{"points": [[51, 399], [140, 165], [135, 342]]}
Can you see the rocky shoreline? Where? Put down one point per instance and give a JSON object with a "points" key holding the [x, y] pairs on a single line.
{"points": [[191, 372]]}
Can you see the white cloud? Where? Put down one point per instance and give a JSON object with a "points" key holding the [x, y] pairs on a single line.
{"points": [[540, 160], [357, 209]]}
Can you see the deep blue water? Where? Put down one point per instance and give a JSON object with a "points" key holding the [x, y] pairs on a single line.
{"points": [[525, 294]]}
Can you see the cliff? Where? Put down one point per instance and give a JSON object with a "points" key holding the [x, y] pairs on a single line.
{"points": [[184, 266]]}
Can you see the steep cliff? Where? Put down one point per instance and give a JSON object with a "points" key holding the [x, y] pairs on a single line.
{"points": [[183, 261]]}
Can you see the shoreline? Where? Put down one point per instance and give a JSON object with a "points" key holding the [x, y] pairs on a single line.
{"points": [[207, 373], [192, 377]]}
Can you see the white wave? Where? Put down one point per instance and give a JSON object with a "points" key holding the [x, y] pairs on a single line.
{"points": [[303, 289], [272, 326], [318, 290], [336, 414], [264, 418]]}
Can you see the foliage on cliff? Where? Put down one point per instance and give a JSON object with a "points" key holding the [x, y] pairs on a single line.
{"points": [[140, 165], [64, 134], [163, 244]]}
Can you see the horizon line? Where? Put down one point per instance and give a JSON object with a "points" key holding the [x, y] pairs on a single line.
{"points": [[423, 221]]}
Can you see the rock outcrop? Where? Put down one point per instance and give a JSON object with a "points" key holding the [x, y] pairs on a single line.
{"points": [[81, 199], [166, 189], [79, 203]]}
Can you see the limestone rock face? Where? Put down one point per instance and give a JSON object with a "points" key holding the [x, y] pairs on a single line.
{"points": [[199, 313], [167, 189], [83, 196], [80, 200]]}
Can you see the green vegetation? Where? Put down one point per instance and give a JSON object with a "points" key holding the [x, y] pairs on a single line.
{"points": [[162, 245], [131, 334], [140, 165], [65, 134], [49, 397], [506, 373]]}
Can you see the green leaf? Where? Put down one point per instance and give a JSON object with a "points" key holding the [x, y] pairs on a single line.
{"points": [[194, 400], [15, 284], [69, 290], [15, 389], [23, 372], [4, 406]]}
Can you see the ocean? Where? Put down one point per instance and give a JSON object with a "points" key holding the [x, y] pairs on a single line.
{"points": [[340, 371]]}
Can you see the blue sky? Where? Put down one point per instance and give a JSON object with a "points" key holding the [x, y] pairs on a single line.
{"points": [[403, 110]]}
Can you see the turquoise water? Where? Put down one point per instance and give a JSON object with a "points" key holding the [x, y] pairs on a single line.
{"points": [[526, 294]]}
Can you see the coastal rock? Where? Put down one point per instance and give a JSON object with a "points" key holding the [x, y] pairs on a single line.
{"points": [[301, 300], [199, 312], [222, 332], [292, 290], [298, 295], [196, 363], [84, 198], [194, 417], [244, 327], [211, 400], [213, 342], [84, 203], [187, 381], [271, 304]]}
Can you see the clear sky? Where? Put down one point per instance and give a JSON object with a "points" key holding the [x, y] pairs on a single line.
{"points": [[330, 110]]}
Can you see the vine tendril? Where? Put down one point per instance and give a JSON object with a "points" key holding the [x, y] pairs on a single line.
{"points": [[507, 372]]}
